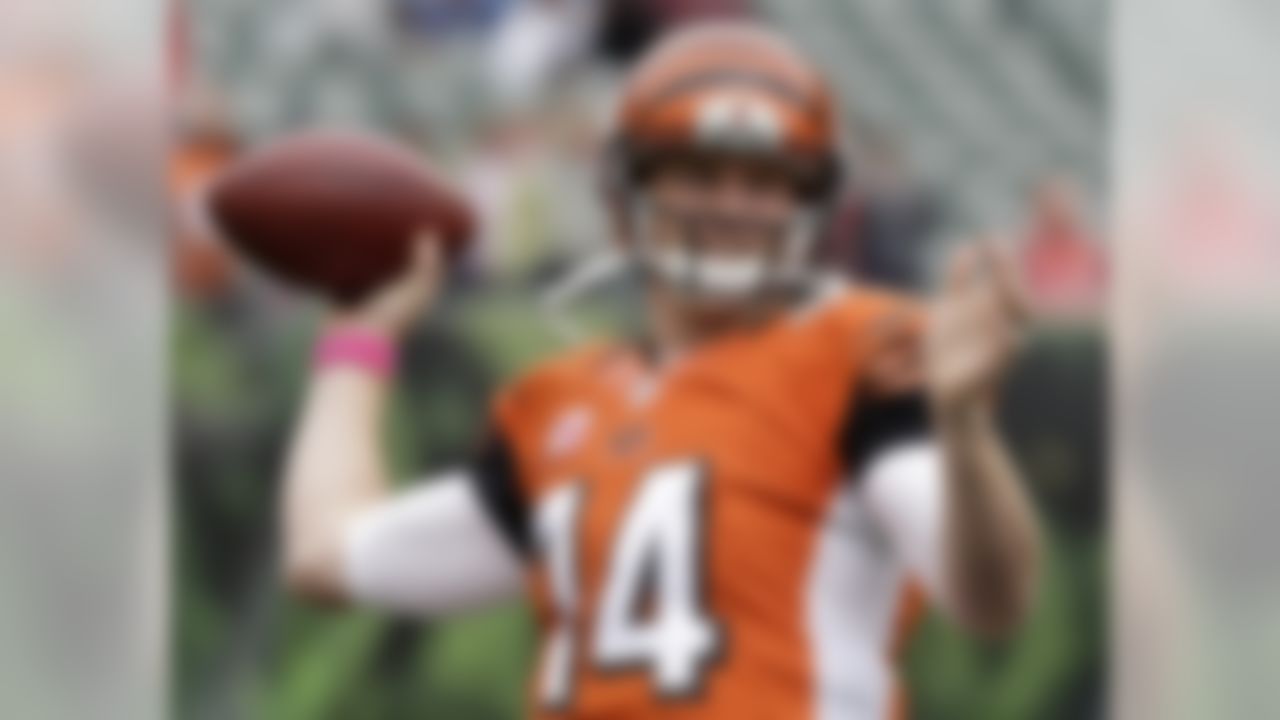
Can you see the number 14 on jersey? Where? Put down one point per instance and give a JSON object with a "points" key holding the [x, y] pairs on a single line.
{"points": [[651, 615]]}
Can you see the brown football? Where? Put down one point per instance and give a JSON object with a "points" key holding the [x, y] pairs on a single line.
{"points": [[335, 212]]}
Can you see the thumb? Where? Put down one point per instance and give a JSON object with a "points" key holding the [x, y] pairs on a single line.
{"points": [[427, 255], [425, 264]]}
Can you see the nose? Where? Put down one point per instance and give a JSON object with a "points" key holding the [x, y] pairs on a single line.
{"points": [[732, 193]]}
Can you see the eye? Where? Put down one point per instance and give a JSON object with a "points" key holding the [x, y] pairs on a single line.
{"points": [[702, 175]]}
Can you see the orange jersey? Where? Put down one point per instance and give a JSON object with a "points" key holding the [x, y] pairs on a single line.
{"points": [[694, 551]]}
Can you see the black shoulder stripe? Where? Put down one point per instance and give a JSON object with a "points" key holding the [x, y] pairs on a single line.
{"points": [[877, 423], [495, 475]]}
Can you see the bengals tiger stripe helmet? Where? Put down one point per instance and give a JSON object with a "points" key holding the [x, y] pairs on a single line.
{"points": [[733, 88]]}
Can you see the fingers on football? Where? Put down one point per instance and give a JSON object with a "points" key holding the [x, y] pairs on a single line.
{"points": [[428, 254], [418, 282]]}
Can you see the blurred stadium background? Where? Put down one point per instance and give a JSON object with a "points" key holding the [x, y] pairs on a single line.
{"points": [[964, 116]]}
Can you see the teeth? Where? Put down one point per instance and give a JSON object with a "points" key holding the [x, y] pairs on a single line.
{"points": [[718, 276]]}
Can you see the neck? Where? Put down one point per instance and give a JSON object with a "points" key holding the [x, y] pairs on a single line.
{"points": [[678, 326]]}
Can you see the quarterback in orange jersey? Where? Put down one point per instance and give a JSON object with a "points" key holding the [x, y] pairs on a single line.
{"points": [[731, 517]]}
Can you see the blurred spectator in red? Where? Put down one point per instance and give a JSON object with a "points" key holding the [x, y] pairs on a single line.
{"points": [[1062, 263], [883, 227], [201, 264]]}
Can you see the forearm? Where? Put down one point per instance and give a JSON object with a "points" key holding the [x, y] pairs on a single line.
{"points": [[335, 471], [991, 535]]}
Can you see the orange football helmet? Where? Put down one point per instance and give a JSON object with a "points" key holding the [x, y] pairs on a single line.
{"points": [[734, 88]]}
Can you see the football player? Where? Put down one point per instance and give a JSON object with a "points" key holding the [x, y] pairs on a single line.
{"points": [[728, 517]]}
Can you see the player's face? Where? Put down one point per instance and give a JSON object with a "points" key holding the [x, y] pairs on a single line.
{"points": [[720, 223]]}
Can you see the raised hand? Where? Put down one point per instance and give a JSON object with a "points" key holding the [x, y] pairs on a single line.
{"points": [[978, 323]]}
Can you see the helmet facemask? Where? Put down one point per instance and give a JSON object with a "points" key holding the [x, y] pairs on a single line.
{"points": [[695, 264], [707, 253]]}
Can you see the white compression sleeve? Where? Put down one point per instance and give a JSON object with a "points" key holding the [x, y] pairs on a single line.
{"points": [[430, 551], [905, 488]]}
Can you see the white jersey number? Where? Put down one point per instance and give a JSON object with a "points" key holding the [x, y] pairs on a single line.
{"points": [[651, 614]]}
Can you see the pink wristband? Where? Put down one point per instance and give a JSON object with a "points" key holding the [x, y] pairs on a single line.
{"points": [[357, 348]]}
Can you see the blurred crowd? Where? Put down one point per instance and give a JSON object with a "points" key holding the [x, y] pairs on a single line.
{"points": [[528, 154]]}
